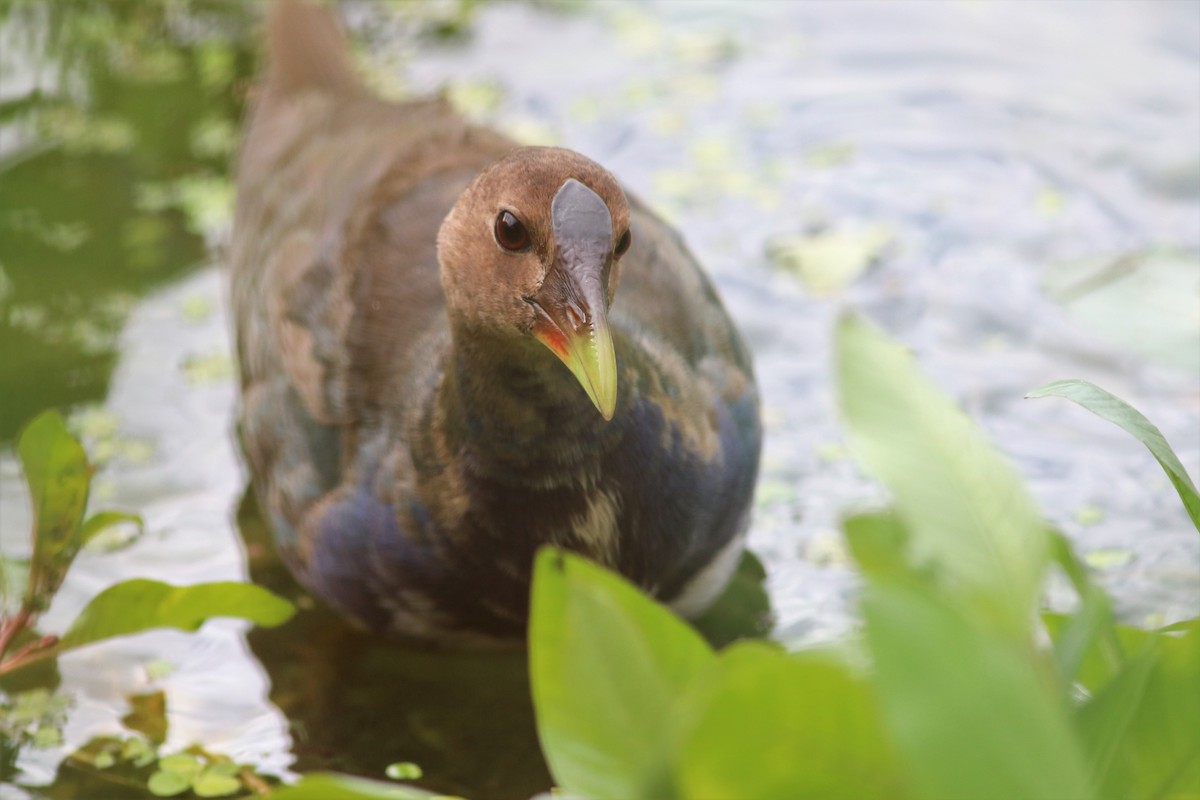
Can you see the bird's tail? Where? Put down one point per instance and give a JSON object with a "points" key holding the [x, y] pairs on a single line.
{"points": [[307, 49]]}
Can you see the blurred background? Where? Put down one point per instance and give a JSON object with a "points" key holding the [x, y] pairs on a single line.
{"points": [[1010, 188]]}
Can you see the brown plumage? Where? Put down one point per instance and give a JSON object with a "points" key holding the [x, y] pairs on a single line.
{"points": [[432, 389]]}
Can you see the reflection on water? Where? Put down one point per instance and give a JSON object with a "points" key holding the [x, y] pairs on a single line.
{"points": [[1011, 188], [357, 703], [117, 121]]}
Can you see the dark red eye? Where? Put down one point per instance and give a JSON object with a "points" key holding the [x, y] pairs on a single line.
{"points": [[622, 245], [510, 233]]}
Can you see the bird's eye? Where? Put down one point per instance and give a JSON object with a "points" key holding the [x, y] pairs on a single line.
{"points": [[511, 233], [622, 245]]}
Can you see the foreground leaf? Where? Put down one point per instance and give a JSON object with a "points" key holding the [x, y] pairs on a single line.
{"points": [[330, 786], [607, 666], [879, 544], [969, 712], [964, 507], [770, 724], [1104, 723], [137, 605], [1140, 726], [1112, 408]]}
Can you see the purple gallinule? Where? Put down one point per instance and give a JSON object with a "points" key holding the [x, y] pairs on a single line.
{"points": [[454, 350]]}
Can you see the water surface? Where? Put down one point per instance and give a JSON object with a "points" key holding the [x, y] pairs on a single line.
{"points": [[1020, 182]]}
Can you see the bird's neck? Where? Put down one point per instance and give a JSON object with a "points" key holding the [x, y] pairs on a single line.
{"points": [[518, 410]]}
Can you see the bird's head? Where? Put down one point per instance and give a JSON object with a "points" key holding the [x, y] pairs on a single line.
{"points": [[532, 248]]}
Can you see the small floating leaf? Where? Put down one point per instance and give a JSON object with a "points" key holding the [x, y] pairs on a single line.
{"points": [[208, 369], [183, 763], [197, 308], [1108, 558], [158, 669], [47, 736], [403, 771], [1050, 202], [168, 784], [138, 751], [214, 783], [827, 262], [1089, 515], [831, 155], [137, 605], [102, 521], [1112, 408], [475, 99]]}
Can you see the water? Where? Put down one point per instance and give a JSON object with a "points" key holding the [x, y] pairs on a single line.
{"points": [[1029, 177]]}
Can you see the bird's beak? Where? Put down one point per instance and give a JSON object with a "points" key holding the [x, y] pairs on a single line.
{"points": [[572, 304], [577, 332]]}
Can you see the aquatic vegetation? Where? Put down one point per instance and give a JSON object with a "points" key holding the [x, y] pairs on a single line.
{"points": [[957, 687], [59, 475]]}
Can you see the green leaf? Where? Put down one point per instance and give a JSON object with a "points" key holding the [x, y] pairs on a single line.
{"points": [[58, 475], [829, 261], [137, 605], [168, 784], [403, 771], [1104, 723], [330, 786], [879, 543], [968, 710], [1112, 408], [211, 783], [103, 520], [182, 763], [1159, 753], [769, 725], [607, 666], [1093, 626], [966, 510], [14, 579]]}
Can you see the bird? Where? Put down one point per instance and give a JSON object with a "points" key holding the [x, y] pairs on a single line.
{"points": [[455, 350]]}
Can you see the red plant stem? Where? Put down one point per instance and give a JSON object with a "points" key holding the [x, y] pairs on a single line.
{"points": [[11, 626], [30, 652]]}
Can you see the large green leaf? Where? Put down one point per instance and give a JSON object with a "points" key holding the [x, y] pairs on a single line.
{"points": [[58, 474], [1140, 725], [968, 709], [1104, 723], [137, 605], [331, 786], [1117, 411], [768, 725], [607, 665], [967, 513], [879, 543]]}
